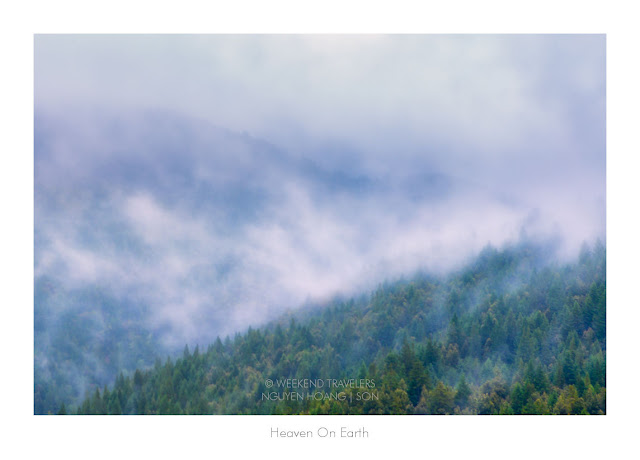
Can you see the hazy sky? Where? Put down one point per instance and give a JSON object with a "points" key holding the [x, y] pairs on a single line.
{"points": [[231, 177]]}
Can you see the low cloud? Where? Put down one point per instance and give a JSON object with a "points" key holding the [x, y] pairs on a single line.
{"points": [[224, 180]]}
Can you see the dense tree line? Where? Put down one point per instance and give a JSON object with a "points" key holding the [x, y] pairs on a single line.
{"points": [[508, 334]]}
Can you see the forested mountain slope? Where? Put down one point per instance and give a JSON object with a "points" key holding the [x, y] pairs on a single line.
{"points": [[84, 337], [154, 229], [509, 334]]}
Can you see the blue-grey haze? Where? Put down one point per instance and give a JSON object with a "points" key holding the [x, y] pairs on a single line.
{"points": [[220, 180]]}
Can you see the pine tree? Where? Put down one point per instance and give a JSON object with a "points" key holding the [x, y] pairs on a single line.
{"points": [[463, 392]]}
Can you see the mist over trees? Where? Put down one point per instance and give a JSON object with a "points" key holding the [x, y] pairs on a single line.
{"points": [[194, 187], [130, 270], [511, 333]]}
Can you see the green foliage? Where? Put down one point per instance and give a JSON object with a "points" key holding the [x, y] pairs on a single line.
{"points": [[82, 339], [506, 335]]}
